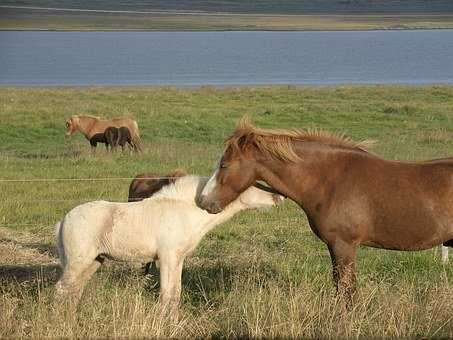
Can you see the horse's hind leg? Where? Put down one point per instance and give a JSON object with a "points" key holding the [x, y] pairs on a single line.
{"points": [[343, 268], [444, 254], [445, 246], [74, 278]]}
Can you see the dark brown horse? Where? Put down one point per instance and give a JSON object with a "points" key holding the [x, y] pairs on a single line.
{"points": [[350, 196], [145, 185], [93, 129], [118, 136]]}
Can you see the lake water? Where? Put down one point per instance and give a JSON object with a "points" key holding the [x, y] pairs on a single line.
{"points": [[226, 58]]}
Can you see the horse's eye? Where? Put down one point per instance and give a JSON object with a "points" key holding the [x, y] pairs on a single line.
{"points": [[67, 124], [223, 166]]}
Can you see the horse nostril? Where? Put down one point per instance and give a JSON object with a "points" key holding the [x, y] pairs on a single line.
{"points": [[214, 208]]}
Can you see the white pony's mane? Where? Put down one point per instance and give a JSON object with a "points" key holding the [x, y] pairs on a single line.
{"points": [[184, 189]]}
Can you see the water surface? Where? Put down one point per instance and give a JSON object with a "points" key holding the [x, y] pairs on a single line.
{"points": [[226, 58]]}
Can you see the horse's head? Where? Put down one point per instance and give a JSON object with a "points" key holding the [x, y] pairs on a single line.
{"points": [[71, 125], [235, 172]]}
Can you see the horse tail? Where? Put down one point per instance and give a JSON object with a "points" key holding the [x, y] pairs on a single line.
{"points": [[135, 138], [60, 245]]}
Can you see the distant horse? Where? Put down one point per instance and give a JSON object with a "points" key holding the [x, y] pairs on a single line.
{"points": [[167, 227], [93, 129], [114, 136], [350, 196], [145, 185]]}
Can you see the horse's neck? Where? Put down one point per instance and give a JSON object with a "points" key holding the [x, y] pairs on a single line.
{"points": [[210, 221], [85, 126], [307, 181]]}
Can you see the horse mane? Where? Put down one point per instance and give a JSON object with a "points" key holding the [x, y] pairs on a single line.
{"points": [[185, 189], [279, 142], [86, 116]]}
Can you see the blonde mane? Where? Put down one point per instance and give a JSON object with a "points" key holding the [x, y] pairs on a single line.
{"points": [[86, 116], [279, 142], [185, 188]]}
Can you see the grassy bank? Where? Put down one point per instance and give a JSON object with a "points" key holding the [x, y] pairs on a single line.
{"points": [[33, 19], [261, 274]]}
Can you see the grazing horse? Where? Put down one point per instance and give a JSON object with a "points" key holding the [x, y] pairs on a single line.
{"points": [[93, 129], [350, 196], [167, 227], [114, 136]]}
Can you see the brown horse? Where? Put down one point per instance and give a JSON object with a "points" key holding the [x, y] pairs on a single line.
{"points": [[93, 129], [147, 184], [350, 196], [117, 136]]}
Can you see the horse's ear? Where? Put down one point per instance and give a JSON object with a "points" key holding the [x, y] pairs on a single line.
{"points": [[245, 141]]}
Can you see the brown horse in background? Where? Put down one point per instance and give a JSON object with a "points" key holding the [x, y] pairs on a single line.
{"points": [[93, 129], [118, 136], [145, 185], [350, 196]]}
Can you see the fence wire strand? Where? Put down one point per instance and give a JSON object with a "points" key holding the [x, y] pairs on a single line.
{"points": [[6, 180]]}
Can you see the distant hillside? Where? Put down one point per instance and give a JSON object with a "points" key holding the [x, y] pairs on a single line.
{"points": [[243, 6]]}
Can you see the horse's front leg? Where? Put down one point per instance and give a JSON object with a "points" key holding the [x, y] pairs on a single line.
{"points": [[343, 256], [170, 283], [93, 144]]}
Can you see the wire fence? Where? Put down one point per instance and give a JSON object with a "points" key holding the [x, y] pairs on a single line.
{"points": [[38, 200], [6, 180]]}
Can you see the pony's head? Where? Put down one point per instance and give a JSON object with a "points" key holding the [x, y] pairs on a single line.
{"points": [[71, 125], [259, 196]]}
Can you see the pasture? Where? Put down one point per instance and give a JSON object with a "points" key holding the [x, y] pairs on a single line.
{"points": [[262, 274]]}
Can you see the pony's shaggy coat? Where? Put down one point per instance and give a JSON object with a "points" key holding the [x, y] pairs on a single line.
{"points": [[167, 226]]}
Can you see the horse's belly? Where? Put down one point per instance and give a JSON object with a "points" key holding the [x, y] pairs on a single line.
{"points": [[404, 239], [132, 247]]}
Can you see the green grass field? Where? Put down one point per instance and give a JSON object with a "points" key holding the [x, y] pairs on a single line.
{"points": [[262, 274]]}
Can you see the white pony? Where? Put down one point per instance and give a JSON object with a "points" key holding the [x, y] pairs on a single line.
{"points": [[444, 254], [166, 227]]}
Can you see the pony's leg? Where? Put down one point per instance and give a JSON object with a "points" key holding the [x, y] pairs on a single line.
{"points": [[444, 254], [343, 268], [74, 279], [170, 283]]}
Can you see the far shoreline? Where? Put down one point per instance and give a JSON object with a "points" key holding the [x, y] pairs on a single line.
{"points": [[218, 30], [23, 19]]}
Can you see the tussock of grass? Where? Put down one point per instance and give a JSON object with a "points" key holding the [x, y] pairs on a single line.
{"points": [[263, 274]]}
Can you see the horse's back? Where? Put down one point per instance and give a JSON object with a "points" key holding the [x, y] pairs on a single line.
{"points": [[90, 214]]}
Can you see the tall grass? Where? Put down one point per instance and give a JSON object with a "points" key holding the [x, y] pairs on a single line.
{"points": [[263, 274]]}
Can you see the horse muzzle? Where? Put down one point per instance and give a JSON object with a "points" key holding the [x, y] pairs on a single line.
{"points": [[212, 207], [278, 198]]}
